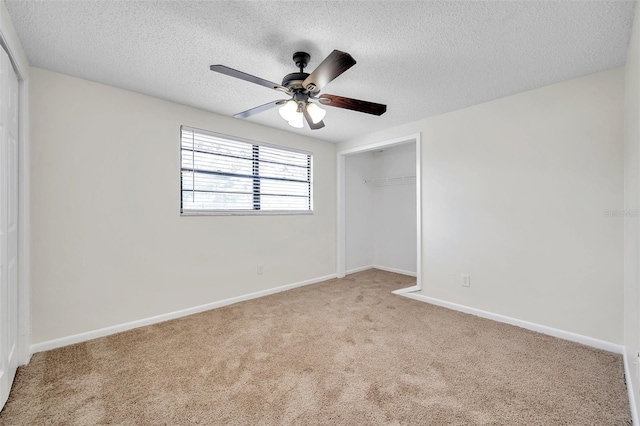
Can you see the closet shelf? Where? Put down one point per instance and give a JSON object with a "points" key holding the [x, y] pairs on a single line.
{"points": [[391, 180]]}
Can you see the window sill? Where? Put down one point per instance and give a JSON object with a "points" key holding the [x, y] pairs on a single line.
{"points": [[244, 212]]}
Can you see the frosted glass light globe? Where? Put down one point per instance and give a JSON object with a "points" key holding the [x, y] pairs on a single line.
{"points": [[288, 110], [297, 120], [316, 113]]}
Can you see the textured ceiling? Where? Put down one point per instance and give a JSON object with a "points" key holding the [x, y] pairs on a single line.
{"points": [[419, 58]]}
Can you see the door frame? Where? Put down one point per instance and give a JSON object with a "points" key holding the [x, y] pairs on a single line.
{"points": [[341, 229], [11, 44]]}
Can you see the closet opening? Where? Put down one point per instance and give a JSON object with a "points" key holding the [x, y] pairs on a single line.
{"points": [[379, 208]]}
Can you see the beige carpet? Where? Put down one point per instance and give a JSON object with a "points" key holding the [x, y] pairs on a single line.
{"points": [[341, 352]]}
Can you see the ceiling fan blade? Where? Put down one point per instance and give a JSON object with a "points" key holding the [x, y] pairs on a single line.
{"points": [[259, 109], [352, 104], [312, 125], [332, 66], [248, 77]]}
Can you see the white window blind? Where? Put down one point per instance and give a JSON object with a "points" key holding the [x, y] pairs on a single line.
{"points": [[224, 174]]}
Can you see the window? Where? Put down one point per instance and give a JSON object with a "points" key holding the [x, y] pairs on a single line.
{"points": [[222, 174]]}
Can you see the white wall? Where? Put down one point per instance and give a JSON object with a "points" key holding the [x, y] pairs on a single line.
{"points": [[108, 243], [514, 193], [359, 208], [631, 206], [380, 219], [395, 209]]}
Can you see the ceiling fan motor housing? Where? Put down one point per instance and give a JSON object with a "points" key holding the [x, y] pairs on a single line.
{"points": [[294, 80]]}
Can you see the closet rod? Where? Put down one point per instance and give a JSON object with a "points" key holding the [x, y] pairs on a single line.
{"points": [[389, 179]]}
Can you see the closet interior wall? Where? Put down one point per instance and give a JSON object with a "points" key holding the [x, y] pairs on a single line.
{"points": [[380, 210]]}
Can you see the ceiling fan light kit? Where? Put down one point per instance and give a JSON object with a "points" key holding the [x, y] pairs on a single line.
{"points": [[292, 112], [303, 87]]}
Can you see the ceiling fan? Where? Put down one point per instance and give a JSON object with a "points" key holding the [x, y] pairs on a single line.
{"points": [[303, 88]]}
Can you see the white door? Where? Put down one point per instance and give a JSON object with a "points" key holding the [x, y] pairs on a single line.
{"points": [[8, 226]]}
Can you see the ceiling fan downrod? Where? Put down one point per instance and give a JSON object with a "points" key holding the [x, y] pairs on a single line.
{"points": [[301, 59]]}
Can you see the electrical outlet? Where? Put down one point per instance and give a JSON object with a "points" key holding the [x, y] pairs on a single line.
{"points": [[259, 269], [466, 280]]}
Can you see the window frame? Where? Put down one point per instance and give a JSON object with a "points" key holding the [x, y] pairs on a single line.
{"points": [[253, 212]]}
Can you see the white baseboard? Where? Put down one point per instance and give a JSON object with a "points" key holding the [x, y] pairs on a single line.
{"points": [[562, 334], [395, 270], [106, 331], [632, 401], [360, 269], [406, 290], [382, 268]]}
